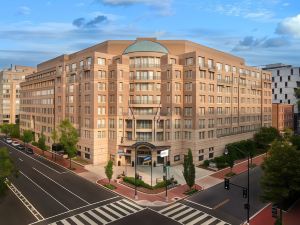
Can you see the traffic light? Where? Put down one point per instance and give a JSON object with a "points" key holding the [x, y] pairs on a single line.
{"points": [[247, 206], [245, 192], [226, 184]]}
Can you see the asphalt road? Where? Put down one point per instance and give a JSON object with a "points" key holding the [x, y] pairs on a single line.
{"points": [[229, 204], [62, 197], [52, 189]]}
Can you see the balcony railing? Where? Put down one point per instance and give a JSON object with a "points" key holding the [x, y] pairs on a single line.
{"points": [[145, 78], [144, 102], [145, 65]]}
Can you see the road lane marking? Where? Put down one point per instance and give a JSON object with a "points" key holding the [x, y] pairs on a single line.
{"points": [[221, 203], [44, 191], [32, 158], [61, 186], [25, 201], [21, 159], [207, 207], [76, 209]]}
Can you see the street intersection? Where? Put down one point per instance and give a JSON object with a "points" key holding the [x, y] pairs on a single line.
{"points": [[62, 197]]}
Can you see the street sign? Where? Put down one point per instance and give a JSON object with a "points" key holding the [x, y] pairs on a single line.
{"points": [[164, 153], [147, 158]]}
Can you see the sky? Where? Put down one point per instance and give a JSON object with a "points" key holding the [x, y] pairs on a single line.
{"points": [[260, 31]]}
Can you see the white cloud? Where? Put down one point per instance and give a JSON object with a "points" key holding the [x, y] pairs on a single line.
{"points": [[290, 26], [24, 10], [164, 7]]}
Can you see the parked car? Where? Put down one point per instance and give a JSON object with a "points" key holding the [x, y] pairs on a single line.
{"points": [[29, 151], [21, 147], [8, 140], [15, 143]]}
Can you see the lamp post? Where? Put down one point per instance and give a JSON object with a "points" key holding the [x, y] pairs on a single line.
{"points": [[247, 205]]}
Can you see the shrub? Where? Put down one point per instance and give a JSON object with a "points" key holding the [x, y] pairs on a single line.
{"points": [[139, 183], [162, 184], [206, 163], [220, 162], [34, 143], [109, 186]]}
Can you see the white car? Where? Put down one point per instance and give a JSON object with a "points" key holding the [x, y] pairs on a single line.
{"points": [[8, 140], [15, 143]]}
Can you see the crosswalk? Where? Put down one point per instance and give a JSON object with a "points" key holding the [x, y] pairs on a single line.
{"points": [[103, 214], [189, 216]]}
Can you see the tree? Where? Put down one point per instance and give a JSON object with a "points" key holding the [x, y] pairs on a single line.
{"points": [[68, 138], [5, 129], [27, 137], [15, 130], [230, 160], [189, 169], [109, 170], [266, 135], [7, 168], [55, 137], [295, 140], [288, 133], [42, 143], [281, 179]]}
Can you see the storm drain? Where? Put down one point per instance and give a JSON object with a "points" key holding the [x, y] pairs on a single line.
{"points": [[22, 198]]}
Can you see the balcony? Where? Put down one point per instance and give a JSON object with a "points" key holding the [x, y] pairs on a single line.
{"points": [[211, 67], [145, 78], [255, 86], [87, 67], [224, 81], [145, 65], [144, 101]]}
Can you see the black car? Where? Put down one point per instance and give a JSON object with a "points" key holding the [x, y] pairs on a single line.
{"points": [[29, 151], [21, 147]]}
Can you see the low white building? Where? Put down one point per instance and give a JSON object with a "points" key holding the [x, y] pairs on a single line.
{"points": [[285, 80]]}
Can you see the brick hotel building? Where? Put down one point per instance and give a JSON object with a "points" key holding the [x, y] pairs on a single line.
{"points": [[173, 94]]}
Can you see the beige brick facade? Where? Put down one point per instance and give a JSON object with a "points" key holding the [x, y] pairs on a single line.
{"points": [[282, 116], [174, 94], [10, 80]]}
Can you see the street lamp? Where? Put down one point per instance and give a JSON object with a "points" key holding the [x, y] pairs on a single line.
{"points": [[247, 206]]}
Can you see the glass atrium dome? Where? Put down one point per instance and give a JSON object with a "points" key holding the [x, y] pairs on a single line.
{"points": [[146, 46]]}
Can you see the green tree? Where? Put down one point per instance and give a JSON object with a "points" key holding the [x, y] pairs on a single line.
{"points": [[189, 169], [230, 160], [7, 168], [54, 137], [5, 129], [288, 133], [295, 140], [281, 178], [68, 138], [265, 136], [27, 137], [15, 130], [42, 143], [109, 170]]}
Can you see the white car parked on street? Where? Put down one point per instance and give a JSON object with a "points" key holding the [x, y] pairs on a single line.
{"points": [[15, 143], [8, 140]]}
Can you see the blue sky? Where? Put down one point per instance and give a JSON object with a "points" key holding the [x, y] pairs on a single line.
{"points": [[261, 31]]}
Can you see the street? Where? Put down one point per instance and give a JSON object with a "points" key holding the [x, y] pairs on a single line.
{"points": [[62, 197]]}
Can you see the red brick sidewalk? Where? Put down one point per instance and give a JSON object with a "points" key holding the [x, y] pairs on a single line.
{"points": [[240, 167], [177, 192], [58, 159]]}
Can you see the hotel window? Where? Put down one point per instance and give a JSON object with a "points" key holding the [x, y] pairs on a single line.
{"points": [[202, 110], [172, 61], [201, 123], [210, 110], [219, 110], [202, 135], [227, 68], [210, 99], [177, 98], [188, 124], [202, 74], [219, 66], [189, 61], [219, 99], [202, 98], [89, 61], [219, 88], [168, 86], [211, 76], [188, 86], [101, 61], [177, 74], [202, 86], [201, 61], [211, 123], [188, 99], [101, 111], [211, 87], [210, 63], [176, 124], [188, 74], [210, 134], [188, 111], [177, 86]]}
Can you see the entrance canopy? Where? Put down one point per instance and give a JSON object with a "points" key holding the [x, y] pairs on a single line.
{"points": [[140, 144]]}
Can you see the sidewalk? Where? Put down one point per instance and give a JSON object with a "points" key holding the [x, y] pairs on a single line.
{"points": [[58, 159]]}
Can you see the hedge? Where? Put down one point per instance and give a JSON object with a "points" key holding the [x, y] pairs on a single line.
{"points": [[141, 183]]}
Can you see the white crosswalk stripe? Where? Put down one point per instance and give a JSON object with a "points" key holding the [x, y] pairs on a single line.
{"points": [[103, 214], [189, 216]]}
